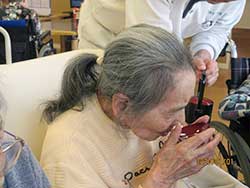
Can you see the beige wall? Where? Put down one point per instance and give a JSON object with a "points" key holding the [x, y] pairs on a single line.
{"points": [[59, 6], [245, 20]]}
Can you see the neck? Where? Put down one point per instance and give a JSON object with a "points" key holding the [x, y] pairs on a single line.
{"points": [[105, 105]]}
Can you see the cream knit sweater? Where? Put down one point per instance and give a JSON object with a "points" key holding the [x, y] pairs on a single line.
{"points": [[87, 150]]}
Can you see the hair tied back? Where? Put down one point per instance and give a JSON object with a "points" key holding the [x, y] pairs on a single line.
{"points": [[99, 60]]}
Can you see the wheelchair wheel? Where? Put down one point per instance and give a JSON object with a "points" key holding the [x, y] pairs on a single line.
{"points": [[231, 154], [46, 50], [244, 145]]}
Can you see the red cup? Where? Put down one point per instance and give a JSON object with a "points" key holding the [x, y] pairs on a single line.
{"points": [[193, 129], [192, 112]]}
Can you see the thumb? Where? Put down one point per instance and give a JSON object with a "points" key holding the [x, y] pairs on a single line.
{"points": [[199, 63], [174, 135], [202, 119]]}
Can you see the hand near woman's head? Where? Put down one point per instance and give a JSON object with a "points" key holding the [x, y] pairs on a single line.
{"points": [[203, 61]]}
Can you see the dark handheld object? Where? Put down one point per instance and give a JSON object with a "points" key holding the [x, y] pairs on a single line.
{"points": [[201, 88], [198, 105], [190, 130]]}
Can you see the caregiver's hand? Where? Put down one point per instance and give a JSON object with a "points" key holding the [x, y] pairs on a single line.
{"points": [[203, 61], [178, 160]]}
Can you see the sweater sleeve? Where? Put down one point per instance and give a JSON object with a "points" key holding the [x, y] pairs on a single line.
{"points": [[156, 13], [214, 39]]}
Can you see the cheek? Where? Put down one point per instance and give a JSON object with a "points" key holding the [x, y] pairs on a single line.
{"points": [[154, 123], [181, 116], [178, 116], [141, 123]]}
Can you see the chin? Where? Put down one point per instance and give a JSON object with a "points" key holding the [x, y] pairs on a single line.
{"points": [[151, 137], [148, 136]]}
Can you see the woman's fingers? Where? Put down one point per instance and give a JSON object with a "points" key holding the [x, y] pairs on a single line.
{"points": [[199, 139], [174, 135], [202, 119], [209, 147], [179, 160]]}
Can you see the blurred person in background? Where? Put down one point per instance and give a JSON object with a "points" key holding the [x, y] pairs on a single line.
{"points": [[18, 9]]}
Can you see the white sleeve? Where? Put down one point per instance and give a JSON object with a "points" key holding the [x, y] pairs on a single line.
{"points": [[152, 12], [214, 39]]}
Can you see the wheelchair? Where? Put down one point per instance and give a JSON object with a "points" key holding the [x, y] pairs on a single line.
{"points": [[233, 152], [27, 40], [234, 149]]}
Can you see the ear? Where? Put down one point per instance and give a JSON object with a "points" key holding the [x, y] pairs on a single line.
{"points": [[119, 103]]}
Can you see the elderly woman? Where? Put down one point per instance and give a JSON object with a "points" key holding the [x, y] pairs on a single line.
{"points": [[18, 166], [118, 119]]}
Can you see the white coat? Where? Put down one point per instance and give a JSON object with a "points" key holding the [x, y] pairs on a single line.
{"points": [[207, 24]]}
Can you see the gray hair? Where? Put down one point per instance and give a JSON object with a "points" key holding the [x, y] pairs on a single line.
{"points": [[141, 62]]}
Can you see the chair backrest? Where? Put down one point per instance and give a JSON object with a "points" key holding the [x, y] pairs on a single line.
{"points": [[25, 86], [7, 45]]}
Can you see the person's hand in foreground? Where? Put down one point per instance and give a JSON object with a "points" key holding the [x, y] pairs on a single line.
{"points": [[203, 61], [178, 160]]}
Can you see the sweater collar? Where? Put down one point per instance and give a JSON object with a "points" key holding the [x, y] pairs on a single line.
{"points": [[104, 119]]}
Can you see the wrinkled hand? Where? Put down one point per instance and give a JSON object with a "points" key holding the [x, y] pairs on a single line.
{"points": [[178, 160], [203, 61]]}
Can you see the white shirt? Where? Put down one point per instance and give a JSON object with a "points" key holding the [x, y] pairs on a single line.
{"points": [[207, 24]]}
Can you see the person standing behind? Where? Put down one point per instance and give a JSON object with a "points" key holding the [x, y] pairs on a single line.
{"points": [[208, 22]]}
